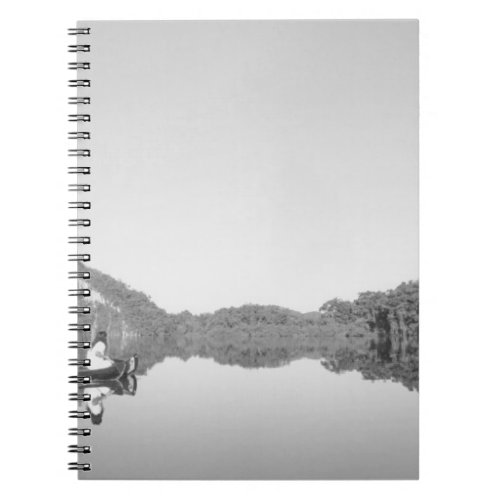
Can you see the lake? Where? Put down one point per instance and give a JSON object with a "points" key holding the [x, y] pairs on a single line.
{"points": [[254, 392], [197, 419]]}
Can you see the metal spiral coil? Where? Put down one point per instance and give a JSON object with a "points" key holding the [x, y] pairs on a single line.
{"points": [[79, 414], [79, 222], [75, 344], [78, 65], [79, 118], [78, 135], [77, 466], [75, 431], [84, 205], [79, 379], [82, 329], [74, 448], [79, 292], [79, 100], [79, 327], [79, 170], [79, 310], [79, 362], [84, 240], [79, 257], [78, 48], [79, 275], [78, 31], [79, 187], [78, 152], [78, 396], [78, 83]]}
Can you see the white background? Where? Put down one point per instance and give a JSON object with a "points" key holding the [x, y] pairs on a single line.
{"points": [[459, 247]]}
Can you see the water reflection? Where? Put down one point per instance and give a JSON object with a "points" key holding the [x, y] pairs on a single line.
{"points": [[378, 355], [383, 360], [99, 390]]}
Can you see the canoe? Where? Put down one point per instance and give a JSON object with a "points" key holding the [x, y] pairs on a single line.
{"points": [[120, 368], [126, 385]]}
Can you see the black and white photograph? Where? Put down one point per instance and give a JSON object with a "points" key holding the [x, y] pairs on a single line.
{"points": [[250, 249], [253, 287]]}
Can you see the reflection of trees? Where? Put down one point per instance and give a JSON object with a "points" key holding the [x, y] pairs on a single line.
{"points": [[382, 361], [377, 334]]}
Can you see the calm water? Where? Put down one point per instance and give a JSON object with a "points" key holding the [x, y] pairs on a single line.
{"points": [[197, 419]]}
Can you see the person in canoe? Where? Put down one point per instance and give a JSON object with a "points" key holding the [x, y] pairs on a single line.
{"points": [[102, 367], [98, 353]]}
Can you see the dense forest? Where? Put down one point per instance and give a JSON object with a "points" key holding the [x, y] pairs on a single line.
{"points": [[376, 334], [394, 310]]}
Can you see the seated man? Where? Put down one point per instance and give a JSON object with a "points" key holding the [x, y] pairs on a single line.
{"points": [[97, 354]]}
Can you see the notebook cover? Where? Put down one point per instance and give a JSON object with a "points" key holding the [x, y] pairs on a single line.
{"points": [[253, 249]]}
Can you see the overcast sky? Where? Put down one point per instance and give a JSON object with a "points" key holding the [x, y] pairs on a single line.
{"points": [[254, 162]]}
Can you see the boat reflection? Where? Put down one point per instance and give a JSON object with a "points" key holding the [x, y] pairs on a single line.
{"points": [[97, 392]]}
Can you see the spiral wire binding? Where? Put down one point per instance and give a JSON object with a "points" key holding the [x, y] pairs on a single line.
{"points": [[82, 329]]}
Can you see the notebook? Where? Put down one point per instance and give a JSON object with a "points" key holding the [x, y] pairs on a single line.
{"points": [[244, 232]]}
